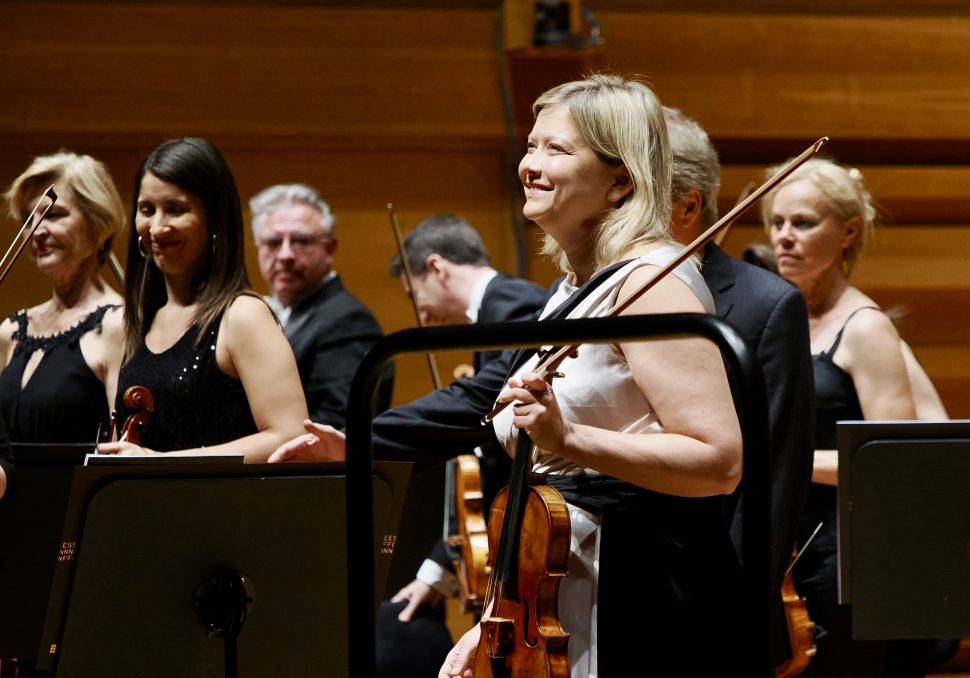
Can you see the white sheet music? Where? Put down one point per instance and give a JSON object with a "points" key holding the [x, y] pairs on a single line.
{"points": [[164, 458]]}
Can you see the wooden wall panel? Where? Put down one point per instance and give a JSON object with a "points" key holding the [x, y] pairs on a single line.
{"points": [[755, 76], [290, 71], [374, 105]]}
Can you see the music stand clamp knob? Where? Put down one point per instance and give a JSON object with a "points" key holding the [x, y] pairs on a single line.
{"points": [[222, 602]]}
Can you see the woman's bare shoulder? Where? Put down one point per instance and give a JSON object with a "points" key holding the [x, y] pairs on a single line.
{"points": [[870, 338], [8, 324], [248, 323], [7, 328], [113, 322], [868, 319], [669, 295], [248, 310]]}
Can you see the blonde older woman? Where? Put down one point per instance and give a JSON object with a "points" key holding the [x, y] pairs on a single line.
{"points": [[61, 357], [820, 219]]}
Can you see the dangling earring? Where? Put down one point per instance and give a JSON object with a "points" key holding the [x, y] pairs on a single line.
{"points": [[213, 244], [141, 248]]}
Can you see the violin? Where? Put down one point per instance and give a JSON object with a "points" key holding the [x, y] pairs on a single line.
{"points": [[801, 630], [471, 544], [139, 399], [464, 499], [520, 633]]}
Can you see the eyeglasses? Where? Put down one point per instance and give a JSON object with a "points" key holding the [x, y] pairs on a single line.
{"points": [[299, 242]]}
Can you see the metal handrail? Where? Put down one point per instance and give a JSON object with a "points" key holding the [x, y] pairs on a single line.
{"points": [[756, 615]]}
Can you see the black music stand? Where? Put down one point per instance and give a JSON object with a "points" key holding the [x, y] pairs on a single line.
{"points": [[159, 562], [31, 520], [904, 528]]}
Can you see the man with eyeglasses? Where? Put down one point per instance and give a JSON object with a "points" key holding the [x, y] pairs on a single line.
{"points": [[328, 328]]}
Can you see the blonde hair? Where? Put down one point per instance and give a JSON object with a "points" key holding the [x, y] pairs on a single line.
{"points": [[621, 120], [90, 183], [846, 195]]}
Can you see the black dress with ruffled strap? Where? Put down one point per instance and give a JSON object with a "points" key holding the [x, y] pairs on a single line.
{"points": [[63, 401]]}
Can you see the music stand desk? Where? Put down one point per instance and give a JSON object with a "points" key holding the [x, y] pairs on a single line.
{"points": [[31, 520], [139, 540], [904, 528]]}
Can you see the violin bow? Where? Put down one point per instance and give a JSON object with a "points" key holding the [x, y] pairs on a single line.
{"points": [[799, 552], [551, 359], [116, 269], [745, 192], [26, 232], [412, 295], [432, 364]]}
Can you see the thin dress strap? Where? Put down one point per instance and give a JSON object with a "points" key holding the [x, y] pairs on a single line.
{"points": [[828, 353]]}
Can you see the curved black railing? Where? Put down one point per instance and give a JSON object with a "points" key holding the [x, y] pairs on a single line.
{"points": [[756, 616]]}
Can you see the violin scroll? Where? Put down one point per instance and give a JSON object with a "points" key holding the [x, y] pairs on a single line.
{"points": [[464, 371], [139, 399]]}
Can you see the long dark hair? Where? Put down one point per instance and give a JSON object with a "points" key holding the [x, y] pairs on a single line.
{"points": [[196, 166]]}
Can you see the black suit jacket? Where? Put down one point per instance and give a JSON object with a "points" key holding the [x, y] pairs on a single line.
{"points": [[507, 299], [330, 331], [771, 315]]}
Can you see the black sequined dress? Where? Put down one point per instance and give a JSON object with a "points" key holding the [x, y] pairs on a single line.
{"points": [[196, 403]]}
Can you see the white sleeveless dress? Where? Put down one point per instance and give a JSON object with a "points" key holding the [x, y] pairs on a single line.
{"points": [[598, 390]]}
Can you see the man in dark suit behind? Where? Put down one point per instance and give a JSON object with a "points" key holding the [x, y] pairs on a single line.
{"points": [[771, 315], [328, 328], [454, 284]]}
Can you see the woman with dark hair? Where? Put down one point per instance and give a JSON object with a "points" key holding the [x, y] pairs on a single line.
{"points": [[209, 350]]}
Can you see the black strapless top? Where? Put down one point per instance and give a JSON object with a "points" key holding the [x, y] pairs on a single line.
{"points": [[196, 403], [64, 401]]}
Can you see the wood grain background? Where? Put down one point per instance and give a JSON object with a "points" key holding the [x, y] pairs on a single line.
{"points": [[384, 102]]}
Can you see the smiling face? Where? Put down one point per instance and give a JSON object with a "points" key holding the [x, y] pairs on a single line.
{"points": [[807, 237], [294, 252], [64, 241], [173, 226], [567, 187]]}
